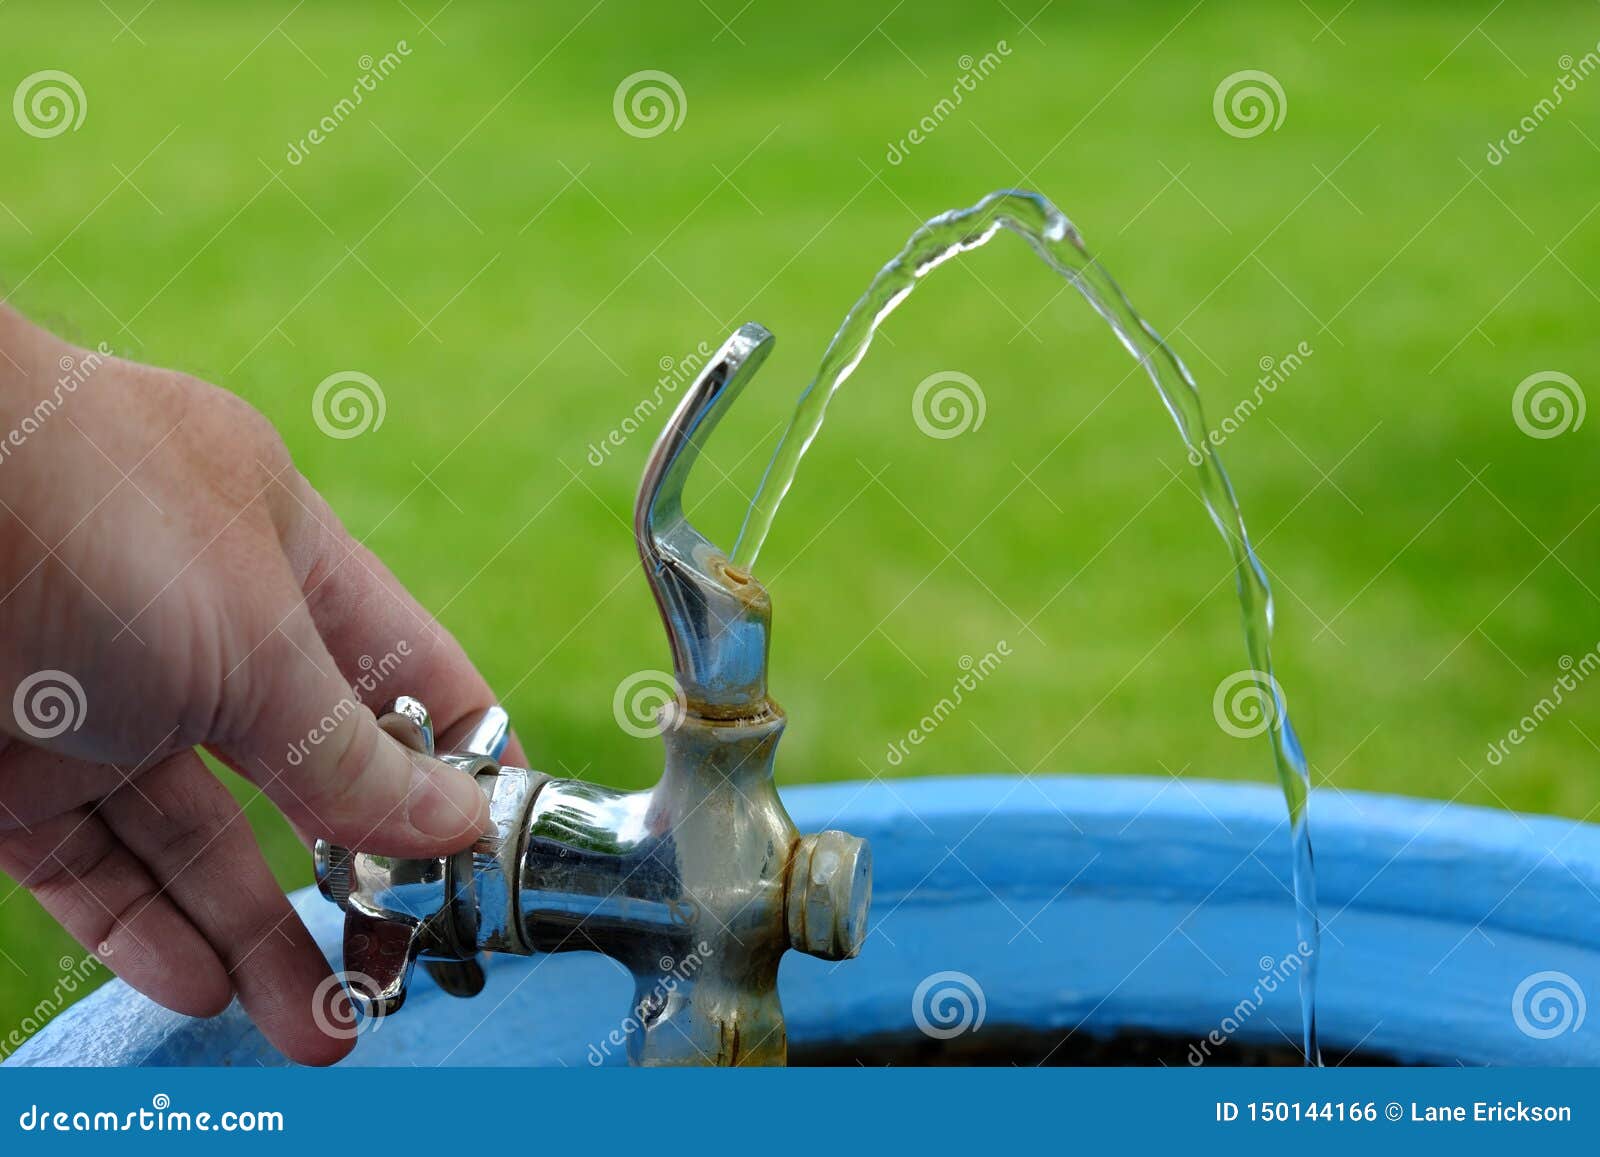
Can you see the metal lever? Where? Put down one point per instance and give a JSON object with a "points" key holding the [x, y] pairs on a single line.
{"points": [[398, 909], [485, 736]]}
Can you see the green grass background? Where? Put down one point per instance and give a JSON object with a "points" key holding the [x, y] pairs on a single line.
{"points": [[556, 260]]}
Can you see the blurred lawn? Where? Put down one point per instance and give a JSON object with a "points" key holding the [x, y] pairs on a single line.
{"points": [[483, 239]]}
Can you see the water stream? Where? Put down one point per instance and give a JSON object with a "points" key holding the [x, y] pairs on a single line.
{"points": [[1053, 238]]}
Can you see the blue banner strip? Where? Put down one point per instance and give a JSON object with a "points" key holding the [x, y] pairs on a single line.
{"points": [[810, 1111]]}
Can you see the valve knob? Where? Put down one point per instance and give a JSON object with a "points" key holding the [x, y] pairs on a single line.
{"points": [[396, 909]]}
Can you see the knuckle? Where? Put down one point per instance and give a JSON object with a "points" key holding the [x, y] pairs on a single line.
{"points": [[250, 930], [217, 411], [77, 863], [117, 927], [184, 839]]}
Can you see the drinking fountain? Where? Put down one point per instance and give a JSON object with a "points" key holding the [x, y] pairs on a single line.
{"points": [[1033, 918], [698, 885]]}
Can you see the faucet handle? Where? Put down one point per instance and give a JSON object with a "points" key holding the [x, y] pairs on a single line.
{"points": [[718, 619], [379, 952], [397, 909], [483, 735]]}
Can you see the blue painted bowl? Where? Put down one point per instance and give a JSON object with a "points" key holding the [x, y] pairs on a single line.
{"points": [[1069, 911]]}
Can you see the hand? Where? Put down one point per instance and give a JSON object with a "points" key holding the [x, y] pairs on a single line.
{"points": [[168, 581]]}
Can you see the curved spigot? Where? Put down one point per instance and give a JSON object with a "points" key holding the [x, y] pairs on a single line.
{"points": [[718, 620]]}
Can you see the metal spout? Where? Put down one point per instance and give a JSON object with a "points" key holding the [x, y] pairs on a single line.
{"points": [[718, 620]]}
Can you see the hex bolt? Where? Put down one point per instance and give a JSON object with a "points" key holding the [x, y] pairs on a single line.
{"points": [[829, 892]]}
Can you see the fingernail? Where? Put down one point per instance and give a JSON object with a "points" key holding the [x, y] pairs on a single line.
{"points": [[444, 804]]}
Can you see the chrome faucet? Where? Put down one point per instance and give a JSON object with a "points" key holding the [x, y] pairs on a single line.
{"points": [[698, 886]]}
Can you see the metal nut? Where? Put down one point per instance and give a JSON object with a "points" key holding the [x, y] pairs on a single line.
{"points": [[830, 890]]}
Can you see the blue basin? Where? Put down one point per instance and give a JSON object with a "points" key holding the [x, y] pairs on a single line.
{"points": [[1082, 907]]}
